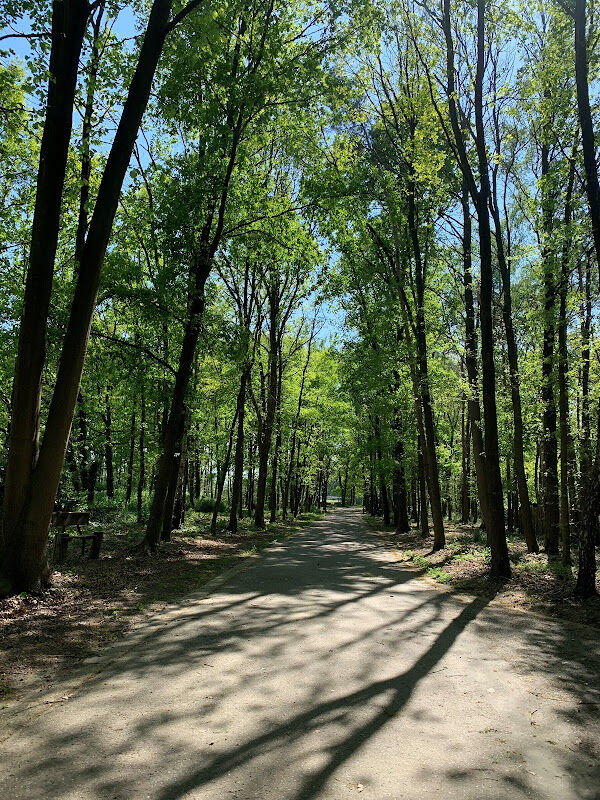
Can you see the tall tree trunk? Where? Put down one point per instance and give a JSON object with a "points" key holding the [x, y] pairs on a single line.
{"points": [[590, 508], [586, 123], [423, 516], [550, 496], [385, 503], [264, 445], [32, 491], [277, 448], [563, 366], [251, 476], [399, 484], [500, 564], [169, 504], [142, 455], [295, 421], [92, 478], [222, 475], [72, 464], [108, 448], [585, 327], [130, 462], [174, 432], [84, 455], [23, 566], [238, 468], [86, 133], [515, 388], [471, 349], [431, 462], [465, 500], [586, 579]]}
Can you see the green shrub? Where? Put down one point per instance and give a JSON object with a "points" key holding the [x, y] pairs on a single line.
{"points": [[478, 535], [207, 505], [439, 575]]}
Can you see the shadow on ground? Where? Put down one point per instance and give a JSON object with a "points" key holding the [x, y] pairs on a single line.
{"points": [[323, 670]]}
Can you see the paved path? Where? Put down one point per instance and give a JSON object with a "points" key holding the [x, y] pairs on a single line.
{"points": [[324, 670]]}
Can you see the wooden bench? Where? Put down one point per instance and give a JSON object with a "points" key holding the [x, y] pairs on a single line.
{"points": [[74, 519]]}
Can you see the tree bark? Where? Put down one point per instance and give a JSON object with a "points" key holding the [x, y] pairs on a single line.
{"points": [[563, 386], [142, 456], [431, 462], [32, 491], [23, 566], [130, 462], [173, 434], [277, 448], [549, 428], [264, 445], [465, 500], [423, 517], [238, 469], [108, 448], [471, 349], [222, 475], [399, 483], [495, 527], [515, 388], [586, 123]]}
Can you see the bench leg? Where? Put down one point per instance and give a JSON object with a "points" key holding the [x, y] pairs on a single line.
{"points": [[96, 544]]}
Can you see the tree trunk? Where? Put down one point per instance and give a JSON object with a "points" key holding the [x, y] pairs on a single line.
{"points": [[23, 564], [142, 456], [84, 455], [431, 462], [169, 505], [222, 475], [174, 432], [586, 123], [465, 500], [31, 492], [471, 349], [399, 488], [423, 517], [563, 386], [590, 508], [277, 448], [515, 388], [129, 484], [264, 445], [550, 496], [500, 564], [92, 477], [586, 579], [238, 469], [108, 448]]}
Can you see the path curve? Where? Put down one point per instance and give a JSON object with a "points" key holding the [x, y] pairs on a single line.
{"points": [[324, 671]]}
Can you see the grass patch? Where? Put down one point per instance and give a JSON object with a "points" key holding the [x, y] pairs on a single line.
{"points": [[439, 575], [539, 582]]}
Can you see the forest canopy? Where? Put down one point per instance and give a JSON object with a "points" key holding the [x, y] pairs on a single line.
{"points": [[259, 254]]}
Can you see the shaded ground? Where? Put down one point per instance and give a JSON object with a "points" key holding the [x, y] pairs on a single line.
{"points": [[92, 603], [539, 583], [320, 671]]}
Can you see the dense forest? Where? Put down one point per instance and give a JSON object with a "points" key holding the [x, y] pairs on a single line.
{"points": [[256, 253]]}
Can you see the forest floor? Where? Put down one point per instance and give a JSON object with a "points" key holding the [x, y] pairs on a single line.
{"points": [[539, 582], [93, 603]]}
